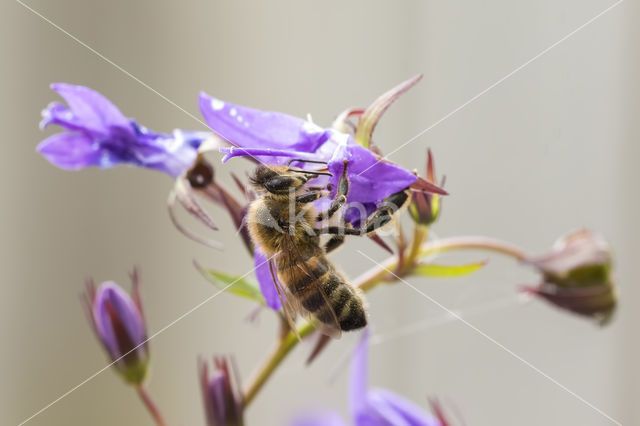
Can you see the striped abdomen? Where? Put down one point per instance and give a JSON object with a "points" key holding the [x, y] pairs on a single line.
{"points": [[308, 283]]}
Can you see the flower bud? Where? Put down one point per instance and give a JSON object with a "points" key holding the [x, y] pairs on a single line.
{"points": [[222, 403], [119, 324], [577, 275], [425, 206]]}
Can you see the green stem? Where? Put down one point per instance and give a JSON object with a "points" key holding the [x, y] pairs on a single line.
{"points": [[279, 353], [370, 280], [420, 233], [472, 243], [365, 282]]}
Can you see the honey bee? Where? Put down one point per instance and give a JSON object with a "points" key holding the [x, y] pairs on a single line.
{"points": [[282, 222]]}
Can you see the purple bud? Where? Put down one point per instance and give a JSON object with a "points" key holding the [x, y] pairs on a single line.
{"points": [[119, 324], [222, 402], [577, 275], [425, 205]]}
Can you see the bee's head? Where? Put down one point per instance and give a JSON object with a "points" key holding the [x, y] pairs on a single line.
{"points": [[277, 179], [280, 179]]}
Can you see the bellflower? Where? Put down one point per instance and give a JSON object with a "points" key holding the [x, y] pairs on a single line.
{"points": [[118, 322], [222, 402], [96, 133], [372, 406], [276, 138], [577, 275]]}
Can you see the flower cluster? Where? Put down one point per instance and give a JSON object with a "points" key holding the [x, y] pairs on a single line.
{"points": [[576, 273]]}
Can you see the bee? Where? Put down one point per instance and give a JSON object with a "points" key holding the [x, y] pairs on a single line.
{"points": [[282, 223]]}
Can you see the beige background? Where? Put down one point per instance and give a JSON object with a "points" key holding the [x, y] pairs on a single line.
{"points": [[552, 148]]}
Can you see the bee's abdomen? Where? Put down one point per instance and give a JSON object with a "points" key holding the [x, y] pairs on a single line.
{"points": [[332, 295]]}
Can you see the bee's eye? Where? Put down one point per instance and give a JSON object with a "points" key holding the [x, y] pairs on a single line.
{"points": [[279, 184]]}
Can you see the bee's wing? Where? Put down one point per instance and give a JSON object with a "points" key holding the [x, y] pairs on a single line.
{"points": [[331, 328], [289, 307]]}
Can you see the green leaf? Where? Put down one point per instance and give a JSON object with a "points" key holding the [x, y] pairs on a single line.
{"points": [[239, 286], [434, 270]]}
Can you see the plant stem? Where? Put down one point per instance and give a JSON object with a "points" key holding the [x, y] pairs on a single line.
{"points": [[365, 282], [472, 243], [151, 406], [281, 350], [419, 236], [370, 280]]}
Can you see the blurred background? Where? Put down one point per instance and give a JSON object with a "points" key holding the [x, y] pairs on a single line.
{"points": [[552, 148]]}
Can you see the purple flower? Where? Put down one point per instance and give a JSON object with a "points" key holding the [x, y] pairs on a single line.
{"points": [[577, 275], [372, 406], [98, 134], [222, 403], [276, 138], [118, 322]]}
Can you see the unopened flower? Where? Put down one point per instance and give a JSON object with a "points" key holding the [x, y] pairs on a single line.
{"points": [[577, 275], [96, 133], [118, 322], [425, 206], [372, 406], [222, 402]]}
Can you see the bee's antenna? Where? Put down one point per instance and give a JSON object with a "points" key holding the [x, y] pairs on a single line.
{"points": [[305, 161], [309, 172]]}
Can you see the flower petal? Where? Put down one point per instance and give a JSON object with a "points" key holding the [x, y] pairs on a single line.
{"points": [[274, 156], [167, 154], [379, 407], [370, 178], [598, 302], [59, 114], [358, 378], [386, 408], [128, 313], [572, 251], [319, 419], [94, 111], [248, 127], [265, 279], [110, 294], [70, 151]]}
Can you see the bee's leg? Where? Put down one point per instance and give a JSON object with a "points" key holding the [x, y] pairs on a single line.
{"points": [[338, 230], [384, 213], [310, 197], [333, 243], [341, 196], [378, 219]]}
